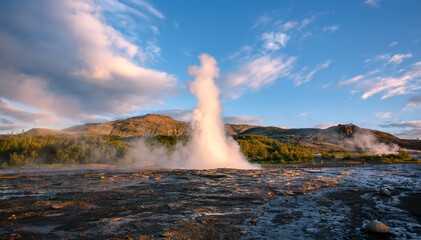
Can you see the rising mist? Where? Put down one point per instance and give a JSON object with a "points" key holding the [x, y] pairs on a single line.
{"points": [[209, 146]]}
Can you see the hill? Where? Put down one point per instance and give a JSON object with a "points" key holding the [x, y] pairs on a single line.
{"points": [[46, 131], [330, 139], [148, 125]]}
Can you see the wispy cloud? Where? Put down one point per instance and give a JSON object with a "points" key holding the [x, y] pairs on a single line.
{"points": [[274, 40], [303, 114], [373, 3], [300, 78], [397, 82], [413, 103], [409, 129], [392, 44], [262, 21], [7, 109], [148, 7], [180, 114], [398, 58], [389, 59], [176, 24], [331, 29], [10, 127], [243, 119], [257, 73], [383, 115]]}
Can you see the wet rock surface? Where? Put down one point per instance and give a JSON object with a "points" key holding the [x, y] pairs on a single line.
{"points": [[279, 203]]}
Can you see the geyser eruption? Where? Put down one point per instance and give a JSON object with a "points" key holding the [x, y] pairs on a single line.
{"points": [[209, 146]]}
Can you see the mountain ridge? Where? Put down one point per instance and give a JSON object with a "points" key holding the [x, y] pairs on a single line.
{"points": [[156, 124]]}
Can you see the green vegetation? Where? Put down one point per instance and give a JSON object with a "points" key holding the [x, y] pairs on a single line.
{"points": [[401, 157], [18, 150], [326, 155], [262, 149], [28, 150]]}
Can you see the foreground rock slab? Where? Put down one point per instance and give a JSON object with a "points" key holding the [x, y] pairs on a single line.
{"points": [[276, 203]]}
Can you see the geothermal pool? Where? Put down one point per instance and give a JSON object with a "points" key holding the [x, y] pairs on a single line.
{"points": [[282, 203]]}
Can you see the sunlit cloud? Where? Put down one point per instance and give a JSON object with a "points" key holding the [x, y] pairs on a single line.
{"points": [[257, 73], [413, 103], [398, 58], [400, 82], [383, 115], [72, 63]]}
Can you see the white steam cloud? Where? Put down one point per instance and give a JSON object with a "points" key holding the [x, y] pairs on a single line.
{"points": [[367, 142], [209, 146]]}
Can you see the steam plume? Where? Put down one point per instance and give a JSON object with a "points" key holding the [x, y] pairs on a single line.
{"points": [[209, 146]]}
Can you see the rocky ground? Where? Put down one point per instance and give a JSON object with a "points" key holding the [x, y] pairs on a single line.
{"points": [[276, 203]]}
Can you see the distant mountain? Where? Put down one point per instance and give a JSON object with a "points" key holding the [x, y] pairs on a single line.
{"points": [[155, 124]]}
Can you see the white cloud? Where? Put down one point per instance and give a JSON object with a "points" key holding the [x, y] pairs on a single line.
{"points": [[410, 129], [392, 44], [243, 120], [383, 115], [10, 127], [274, 40], [413, 103], [373, 3], [6, 109], [176, 25], [407, 82], [290, 25], [257, 73], [307, 21], [262, 21], [331, 29], [147, 6], [303, 114], [71, 63], [300, 78], [398, 58], [5, 121]]}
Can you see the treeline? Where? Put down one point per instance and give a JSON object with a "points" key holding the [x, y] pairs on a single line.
{"points": [[21, 149], [267, 150], [29, 150]]}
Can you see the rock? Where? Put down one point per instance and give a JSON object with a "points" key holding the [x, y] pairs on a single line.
{"points": [[385, 191], [254, 221], [58, 206], [377, 227]]}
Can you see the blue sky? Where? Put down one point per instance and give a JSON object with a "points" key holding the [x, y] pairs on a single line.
{"points": [[283, 63]]}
